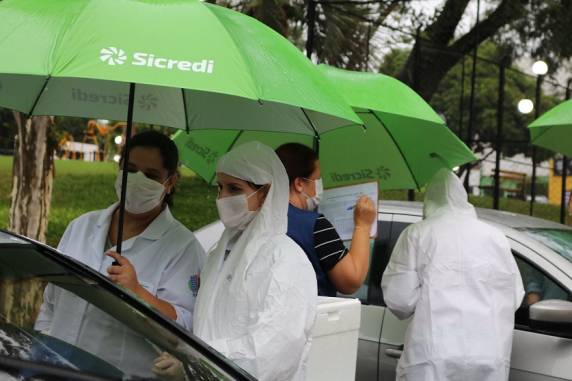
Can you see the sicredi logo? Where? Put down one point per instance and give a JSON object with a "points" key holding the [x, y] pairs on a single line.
{"points": [[115, 56], [112, 56]]}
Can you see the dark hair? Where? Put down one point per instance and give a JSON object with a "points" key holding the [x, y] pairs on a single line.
{"points": [[298, 159], [167, 149]]}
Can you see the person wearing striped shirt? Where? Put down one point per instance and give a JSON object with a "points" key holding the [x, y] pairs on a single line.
{"points": [[337, 268]]}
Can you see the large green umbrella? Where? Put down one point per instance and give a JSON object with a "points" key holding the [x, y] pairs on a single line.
{"points": [[404, 143], [553, 129], [185, 64]]}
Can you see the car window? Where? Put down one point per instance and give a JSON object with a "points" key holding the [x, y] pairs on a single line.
{"points": [[381, 248], [537, 286], [559, 240], [82, 324]]}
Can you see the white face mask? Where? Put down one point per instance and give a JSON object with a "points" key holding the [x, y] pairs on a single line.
{"points": [[143, 194], [233, 211], [312, 203]]}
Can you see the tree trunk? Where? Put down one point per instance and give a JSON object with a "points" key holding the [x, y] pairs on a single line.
{"points": [[32, 181], [32, 176], [438, 53]]}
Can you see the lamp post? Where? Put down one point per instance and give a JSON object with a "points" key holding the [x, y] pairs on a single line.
{"points": [[470, 127], [564, 170], [540, 68], [499, 137]]}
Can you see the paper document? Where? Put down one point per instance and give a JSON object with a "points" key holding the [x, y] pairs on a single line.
{"points": [[338, 205]]}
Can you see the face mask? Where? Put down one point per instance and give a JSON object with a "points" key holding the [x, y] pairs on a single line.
{"points": [[143, 194], [312, 203], [233, 211]]}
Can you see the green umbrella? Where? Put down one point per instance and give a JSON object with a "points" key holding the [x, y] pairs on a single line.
{"points": [[553, 129], [404, 143], [185, 64]]}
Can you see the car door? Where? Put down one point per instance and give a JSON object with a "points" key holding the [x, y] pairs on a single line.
{"points": [[29, 348], [393, 330], [381, 334], [538, 356]]}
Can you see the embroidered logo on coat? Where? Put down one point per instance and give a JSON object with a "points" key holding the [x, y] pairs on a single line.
{"points": [[195, 284]]}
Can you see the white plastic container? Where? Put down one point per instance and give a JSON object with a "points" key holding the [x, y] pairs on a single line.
{"points": [[335, 335]]}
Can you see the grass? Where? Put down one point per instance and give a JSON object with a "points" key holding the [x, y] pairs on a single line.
{"points": [[80, 187]]}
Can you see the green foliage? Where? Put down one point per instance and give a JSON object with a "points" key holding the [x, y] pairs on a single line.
{"points": [[7, 130], [81, 187], [446, 101]]}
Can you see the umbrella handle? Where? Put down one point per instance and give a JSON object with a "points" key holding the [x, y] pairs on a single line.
{"points": [[125, 165]]}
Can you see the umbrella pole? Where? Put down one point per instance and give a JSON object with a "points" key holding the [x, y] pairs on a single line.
{"points": [[563, 193], [125, 165]]}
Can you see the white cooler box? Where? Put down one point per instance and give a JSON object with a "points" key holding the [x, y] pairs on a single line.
{"points": [[335, 335]]}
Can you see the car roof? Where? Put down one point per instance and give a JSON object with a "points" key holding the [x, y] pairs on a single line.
{"points": [[508, 219]]}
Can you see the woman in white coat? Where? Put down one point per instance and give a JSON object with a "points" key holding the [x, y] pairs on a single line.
{"points": [[160, 262], [257, 301], [457, 278]]}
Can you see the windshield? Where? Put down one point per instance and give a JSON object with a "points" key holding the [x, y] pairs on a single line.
{"points": [[90, 328], [559, 240]]}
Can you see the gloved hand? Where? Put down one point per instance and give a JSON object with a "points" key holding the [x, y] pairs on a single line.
{"points": [[168, 368]]}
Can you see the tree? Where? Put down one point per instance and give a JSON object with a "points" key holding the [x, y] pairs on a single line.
{"points": [[338, 33], [438, 48], [32, 181], [447, 99], [543, 26]]}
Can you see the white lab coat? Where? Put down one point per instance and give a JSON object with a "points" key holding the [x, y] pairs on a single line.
{"points": [[165, 256], [458, 280], [258, 306]]}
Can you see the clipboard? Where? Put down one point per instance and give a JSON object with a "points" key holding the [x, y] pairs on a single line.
{"points": [[338, 204]]}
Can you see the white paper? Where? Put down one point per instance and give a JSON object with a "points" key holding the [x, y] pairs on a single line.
{"points": [[338, 205]]}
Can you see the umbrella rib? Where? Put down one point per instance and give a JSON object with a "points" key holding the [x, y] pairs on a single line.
{"points": [[316, 134], [40, 95], [185, 110], [398, 148]]}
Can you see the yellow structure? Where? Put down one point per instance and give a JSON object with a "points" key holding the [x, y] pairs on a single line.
{"points": [[555, 185]]}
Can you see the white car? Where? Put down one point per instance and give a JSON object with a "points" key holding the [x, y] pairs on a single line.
{"points": [[542, 345]]}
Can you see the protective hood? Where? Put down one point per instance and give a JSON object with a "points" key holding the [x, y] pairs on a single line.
{"points": [[446, 194], [259, 164]]}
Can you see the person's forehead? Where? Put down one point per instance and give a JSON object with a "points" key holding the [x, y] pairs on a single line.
{"points": [[146, 158], [226, 178]]}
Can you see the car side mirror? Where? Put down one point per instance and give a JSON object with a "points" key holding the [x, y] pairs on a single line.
{"points": [[552, 317]]}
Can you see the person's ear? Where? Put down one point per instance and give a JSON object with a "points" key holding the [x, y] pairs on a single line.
{"points": [[171, 181], [299, 184], [264, 193]]}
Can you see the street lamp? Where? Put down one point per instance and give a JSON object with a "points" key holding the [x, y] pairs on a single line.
{"points": [[116, 158], [118, 140], [540, 68], [525, 106]]}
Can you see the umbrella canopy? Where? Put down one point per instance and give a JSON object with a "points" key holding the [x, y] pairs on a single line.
{"points": [[184, 64], [403, 144], [195, 66], [553, 129]]}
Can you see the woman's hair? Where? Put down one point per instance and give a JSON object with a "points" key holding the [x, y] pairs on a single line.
{"points": [[298, 159], [167, 149]]}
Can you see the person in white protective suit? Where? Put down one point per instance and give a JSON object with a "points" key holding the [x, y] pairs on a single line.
{"points": [[457, 279], [258, 295]]}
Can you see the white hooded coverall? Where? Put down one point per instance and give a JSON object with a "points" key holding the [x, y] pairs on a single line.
{"points": [[258, 306], [457, 278]]}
